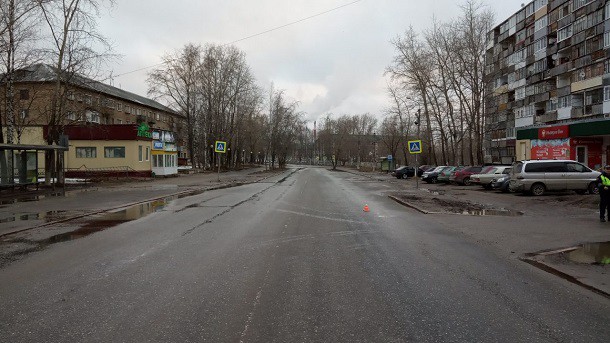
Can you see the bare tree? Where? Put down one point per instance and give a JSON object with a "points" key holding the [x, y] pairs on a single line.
{"points": [[176, 82], [75, 49], [17, 36]]}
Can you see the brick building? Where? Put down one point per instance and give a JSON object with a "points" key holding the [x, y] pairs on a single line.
{"points": [[109, 130], [548, 94]]}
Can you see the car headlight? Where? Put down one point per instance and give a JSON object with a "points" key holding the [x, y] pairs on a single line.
{"points": [[502, 179]]}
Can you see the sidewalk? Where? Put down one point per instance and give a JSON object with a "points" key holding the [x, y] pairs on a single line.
{"points": [[548, 232], [21, 216]]}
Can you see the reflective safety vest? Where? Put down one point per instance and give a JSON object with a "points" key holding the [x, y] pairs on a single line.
{"points": [[605, 181]]}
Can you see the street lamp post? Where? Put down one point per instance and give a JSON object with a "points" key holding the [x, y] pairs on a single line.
{"points": [[417, 122]]}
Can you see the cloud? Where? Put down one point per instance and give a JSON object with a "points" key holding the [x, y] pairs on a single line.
{"points": [[331, 63]]}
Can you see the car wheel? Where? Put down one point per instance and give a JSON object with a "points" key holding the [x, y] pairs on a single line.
{"points": [[434, 180], [405, 176], [538, 189], [593, 188], [467, 182]]}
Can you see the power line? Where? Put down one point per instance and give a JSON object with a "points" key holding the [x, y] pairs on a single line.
{"points": [[254, 35]]}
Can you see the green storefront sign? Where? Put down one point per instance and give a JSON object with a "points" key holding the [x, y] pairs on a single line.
{"points": [[144, 131]]}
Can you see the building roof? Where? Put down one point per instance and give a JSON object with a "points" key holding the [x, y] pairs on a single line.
{"points": [[46, 73]]}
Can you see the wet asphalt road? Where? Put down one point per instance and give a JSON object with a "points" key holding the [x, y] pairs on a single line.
{"points": [[294, 259]]}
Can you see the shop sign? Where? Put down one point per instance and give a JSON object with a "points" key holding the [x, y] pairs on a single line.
{"points": [[168, 137], [555, 132], [156, 135], [170, 147], [550, 149], [144, 131], [157, 145]]}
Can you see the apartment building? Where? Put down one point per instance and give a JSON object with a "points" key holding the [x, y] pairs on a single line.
{"points": [[548, 89], [109, 130]]}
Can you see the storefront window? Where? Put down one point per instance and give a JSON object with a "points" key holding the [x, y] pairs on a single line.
{"points": [[114, 152], [140, 153], [86, 152], [148, 153]]}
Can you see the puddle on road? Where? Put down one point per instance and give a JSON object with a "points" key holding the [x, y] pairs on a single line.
{"points": [[91, 224], [504, 213], [591, 253], [48, 216]]}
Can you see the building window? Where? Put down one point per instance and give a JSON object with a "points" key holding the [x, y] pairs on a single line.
{"points": [[541, 23], [158, 161], [140, 153], [119, 106], [564, 33], [540, 44], [24, 114], [71, 95], [71, 116], [92, 117], [86, 152], [564, 101], [147, 153], [607, 93], [24, 94], [551, 105], [114, 152], [88, 100], [580, 24], [607, 38]]}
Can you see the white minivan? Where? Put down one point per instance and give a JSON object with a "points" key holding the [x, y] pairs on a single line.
{"points": [[540, 176]]}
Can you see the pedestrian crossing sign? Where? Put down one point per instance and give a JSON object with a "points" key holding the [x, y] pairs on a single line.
{"points": [[220, 147], [415, 147]]}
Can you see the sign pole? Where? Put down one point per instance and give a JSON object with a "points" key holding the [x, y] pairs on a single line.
{"points": [[220, 147], [218, 167], [416, 169]]}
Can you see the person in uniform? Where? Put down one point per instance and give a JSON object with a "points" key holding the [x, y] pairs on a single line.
{"points": [[603, 184]]}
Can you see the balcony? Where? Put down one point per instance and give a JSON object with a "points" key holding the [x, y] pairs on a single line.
{"points": [[547, 117]]}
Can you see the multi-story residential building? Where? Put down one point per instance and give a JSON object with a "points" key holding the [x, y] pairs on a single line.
{"points": [[109, 130], [548, 90]]}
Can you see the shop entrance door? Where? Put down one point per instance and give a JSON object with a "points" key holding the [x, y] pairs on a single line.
{"points": [[581, 155]]}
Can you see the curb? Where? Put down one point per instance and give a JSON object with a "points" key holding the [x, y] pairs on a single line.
{"points": [[404, 203], [177, 194], [570, 278]]}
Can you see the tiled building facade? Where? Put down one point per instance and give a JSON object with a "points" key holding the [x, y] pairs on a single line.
{"points": [[548, 90]]}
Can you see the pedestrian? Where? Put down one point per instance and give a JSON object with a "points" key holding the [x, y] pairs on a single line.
{"points": [[603, 184]]}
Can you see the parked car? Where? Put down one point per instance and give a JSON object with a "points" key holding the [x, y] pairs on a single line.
{"points": [[502, 183], [541, 176], [404, 172], [422, 169], [431, 176], [443, 175], [487, 175], [463, 175]]}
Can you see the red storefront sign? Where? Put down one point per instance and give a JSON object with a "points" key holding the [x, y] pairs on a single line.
{"points": [[555, 132]]}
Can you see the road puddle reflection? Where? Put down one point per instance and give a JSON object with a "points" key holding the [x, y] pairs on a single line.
{"points": [[486, 212], [591, 253], [48, 216]]}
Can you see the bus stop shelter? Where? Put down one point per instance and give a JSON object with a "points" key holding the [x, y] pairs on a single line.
{"points": [[19, 164]]}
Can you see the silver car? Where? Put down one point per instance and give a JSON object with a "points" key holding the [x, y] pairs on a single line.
{"points": [[538, 177]]}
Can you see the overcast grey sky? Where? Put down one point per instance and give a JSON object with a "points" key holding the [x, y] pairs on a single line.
{"points": [[333, 63]]}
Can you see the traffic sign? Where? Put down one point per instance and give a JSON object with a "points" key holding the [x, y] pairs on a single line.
{"points": [[415, 147], [389, 157], [220, 147]]}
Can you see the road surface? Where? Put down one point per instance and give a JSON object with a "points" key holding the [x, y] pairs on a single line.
{"points": [[291, 259]]}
